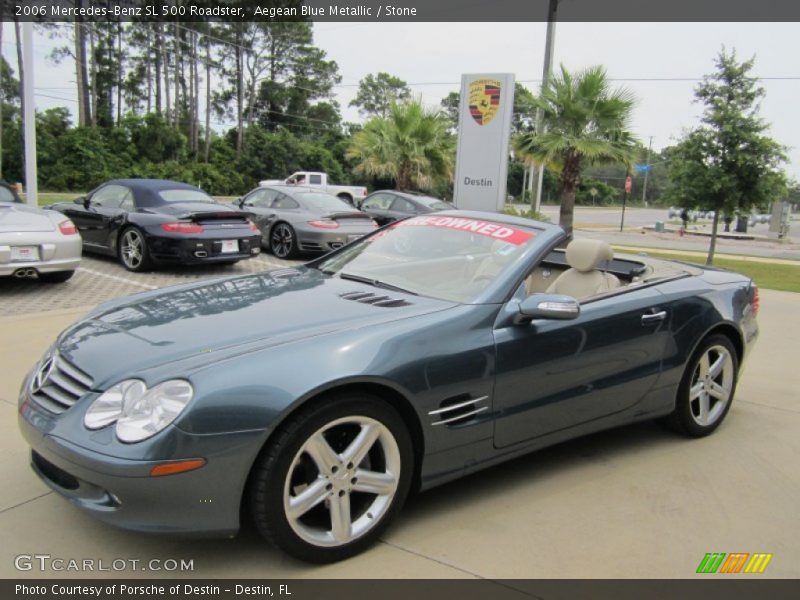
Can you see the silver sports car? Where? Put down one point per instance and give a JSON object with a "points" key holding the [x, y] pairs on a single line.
{"points": [[35, 241], [295, 219]]}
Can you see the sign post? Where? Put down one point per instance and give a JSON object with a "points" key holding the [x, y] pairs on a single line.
{"points": [[628, 187], [484, 131]]}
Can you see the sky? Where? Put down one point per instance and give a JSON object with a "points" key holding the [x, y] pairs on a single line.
{"points": [[432, 56]]}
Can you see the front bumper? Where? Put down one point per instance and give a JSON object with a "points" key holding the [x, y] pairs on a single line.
{"points": [[121, 492]]}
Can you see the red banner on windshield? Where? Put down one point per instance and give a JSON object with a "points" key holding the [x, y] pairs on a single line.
{"points": [[497, 231]]}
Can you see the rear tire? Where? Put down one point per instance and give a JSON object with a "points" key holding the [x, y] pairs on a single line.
{"points": [[133, 251], [57, 277], [347, 198], [707, 388], [310, 488], [283, 241]]}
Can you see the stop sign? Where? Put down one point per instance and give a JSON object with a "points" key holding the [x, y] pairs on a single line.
{"points": [[628, 184]]}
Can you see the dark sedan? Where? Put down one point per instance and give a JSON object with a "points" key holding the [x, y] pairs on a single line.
{"points": [[312, 399], [145, 222], [297, 219], [387, 206]]}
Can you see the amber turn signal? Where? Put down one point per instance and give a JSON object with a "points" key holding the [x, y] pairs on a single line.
{"points": [[181, 466]]}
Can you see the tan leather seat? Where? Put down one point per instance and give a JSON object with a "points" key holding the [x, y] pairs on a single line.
{"points": [[584, 279], [501, 254]]}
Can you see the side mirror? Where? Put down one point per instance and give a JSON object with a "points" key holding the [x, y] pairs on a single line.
{"points": [[548, 306], [86, 202], [80, 200]]}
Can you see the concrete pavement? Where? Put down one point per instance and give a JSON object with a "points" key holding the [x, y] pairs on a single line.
{"points": [[632, 502]]}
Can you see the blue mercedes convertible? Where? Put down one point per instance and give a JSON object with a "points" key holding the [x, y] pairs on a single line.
{"points": [[315, 398]]}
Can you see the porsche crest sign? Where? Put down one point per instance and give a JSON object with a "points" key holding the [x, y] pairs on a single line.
{"points": [[484, 129], [484, 100]]}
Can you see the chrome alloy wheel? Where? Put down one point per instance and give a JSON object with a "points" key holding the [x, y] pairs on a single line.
{"points": [[282, 240], [132, 249], [711, 385], [342, 481]]}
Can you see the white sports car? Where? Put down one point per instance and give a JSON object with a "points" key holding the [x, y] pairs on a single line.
{"points": [[35, 241]]}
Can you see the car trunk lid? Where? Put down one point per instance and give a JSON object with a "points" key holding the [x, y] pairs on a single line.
{"points": [[19, 218]]}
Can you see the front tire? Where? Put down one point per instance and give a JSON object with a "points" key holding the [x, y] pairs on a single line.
{"points": [[333, 478], [133, 251], [707, 388], [283, 241]]}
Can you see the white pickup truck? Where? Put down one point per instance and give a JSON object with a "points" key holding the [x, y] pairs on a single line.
{"points": [[351, 194]]}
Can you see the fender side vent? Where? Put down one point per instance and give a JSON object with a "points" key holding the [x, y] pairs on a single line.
{"points": [[458, 410], [375, 299]]}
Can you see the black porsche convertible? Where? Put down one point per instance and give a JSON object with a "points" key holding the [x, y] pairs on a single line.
{"points": [[154, 221]]}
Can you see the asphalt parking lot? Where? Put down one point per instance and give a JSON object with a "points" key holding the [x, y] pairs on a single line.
{"points": [[632, 502], [101, 278]]}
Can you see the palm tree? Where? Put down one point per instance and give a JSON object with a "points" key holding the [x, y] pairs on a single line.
{"points": [[411, 146], [585, 122]]}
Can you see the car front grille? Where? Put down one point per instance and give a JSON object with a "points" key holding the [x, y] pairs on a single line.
{"points": [[58, 384]]}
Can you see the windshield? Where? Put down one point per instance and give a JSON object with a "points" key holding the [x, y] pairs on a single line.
{"points": [[6, 195], [323, 201], [184, 196], [433, 203], [451, 258]]}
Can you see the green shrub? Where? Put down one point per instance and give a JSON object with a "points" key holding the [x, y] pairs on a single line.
{"points": [[526, 214]]}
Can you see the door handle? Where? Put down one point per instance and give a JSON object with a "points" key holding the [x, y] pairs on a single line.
{"points": [[654, 317]]}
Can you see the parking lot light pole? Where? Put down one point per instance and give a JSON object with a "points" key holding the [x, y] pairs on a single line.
{"points": [[31, 187]]}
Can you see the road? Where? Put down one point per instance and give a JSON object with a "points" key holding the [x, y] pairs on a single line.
{"points": [[603, 223]]}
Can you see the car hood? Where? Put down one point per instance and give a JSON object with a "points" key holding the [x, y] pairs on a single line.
{"points": [[212, 320], [16, 217]]}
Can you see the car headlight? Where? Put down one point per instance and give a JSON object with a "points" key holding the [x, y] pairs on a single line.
{"points": [[139, 412]]}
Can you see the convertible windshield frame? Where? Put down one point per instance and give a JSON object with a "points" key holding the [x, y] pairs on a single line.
{"points": [[444, 256]]}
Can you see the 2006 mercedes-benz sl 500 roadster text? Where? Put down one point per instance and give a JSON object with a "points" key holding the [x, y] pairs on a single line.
{"points": [[315, 398]]}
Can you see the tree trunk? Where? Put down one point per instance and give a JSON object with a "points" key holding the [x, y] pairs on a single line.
{"points": [[119, 71], [195, 100], [93, 119], [177, 74], [713, 246], [239, 91], [82, 75], [567, 210], [207, 149], [569, 184], [167, 105], [157, 66], [148, 67]]}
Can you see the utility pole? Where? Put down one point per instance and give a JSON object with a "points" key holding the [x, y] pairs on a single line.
{"points": [[31, 187], [646, 172], [550, 39]]}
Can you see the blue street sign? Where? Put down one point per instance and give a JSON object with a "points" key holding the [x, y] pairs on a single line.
{"points": [[642, 168]]}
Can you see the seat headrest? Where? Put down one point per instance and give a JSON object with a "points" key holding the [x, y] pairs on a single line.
{"points": [[586, 255]]}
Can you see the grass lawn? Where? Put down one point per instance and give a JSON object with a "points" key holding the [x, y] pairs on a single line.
{"points": [[51, 197], [766, 275]]}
